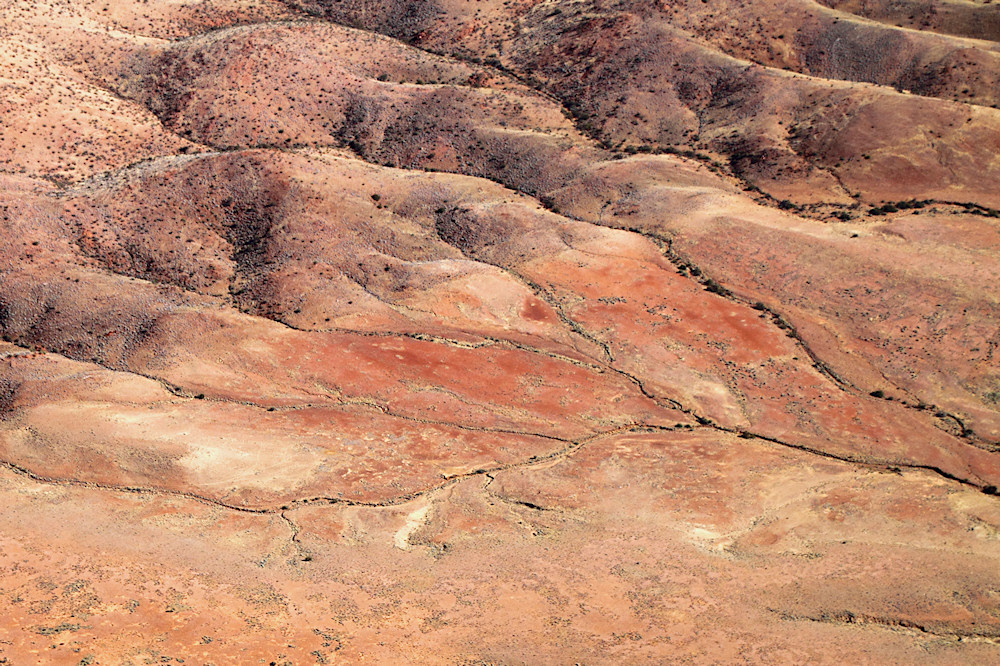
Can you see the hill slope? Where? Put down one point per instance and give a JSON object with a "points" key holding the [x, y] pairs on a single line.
{"points": [[493, 332]]}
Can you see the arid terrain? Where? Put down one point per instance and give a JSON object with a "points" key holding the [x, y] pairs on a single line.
{"points": [[482, 332]]}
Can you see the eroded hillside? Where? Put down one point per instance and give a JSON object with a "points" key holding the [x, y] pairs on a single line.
{"points": [[454, 332]]}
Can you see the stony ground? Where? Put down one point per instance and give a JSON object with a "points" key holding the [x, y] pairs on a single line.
{"points": [[523, 332]]}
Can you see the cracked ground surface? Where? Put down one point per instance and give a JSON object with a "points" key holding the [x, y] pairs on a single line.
{"points": [[449, 332]]}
